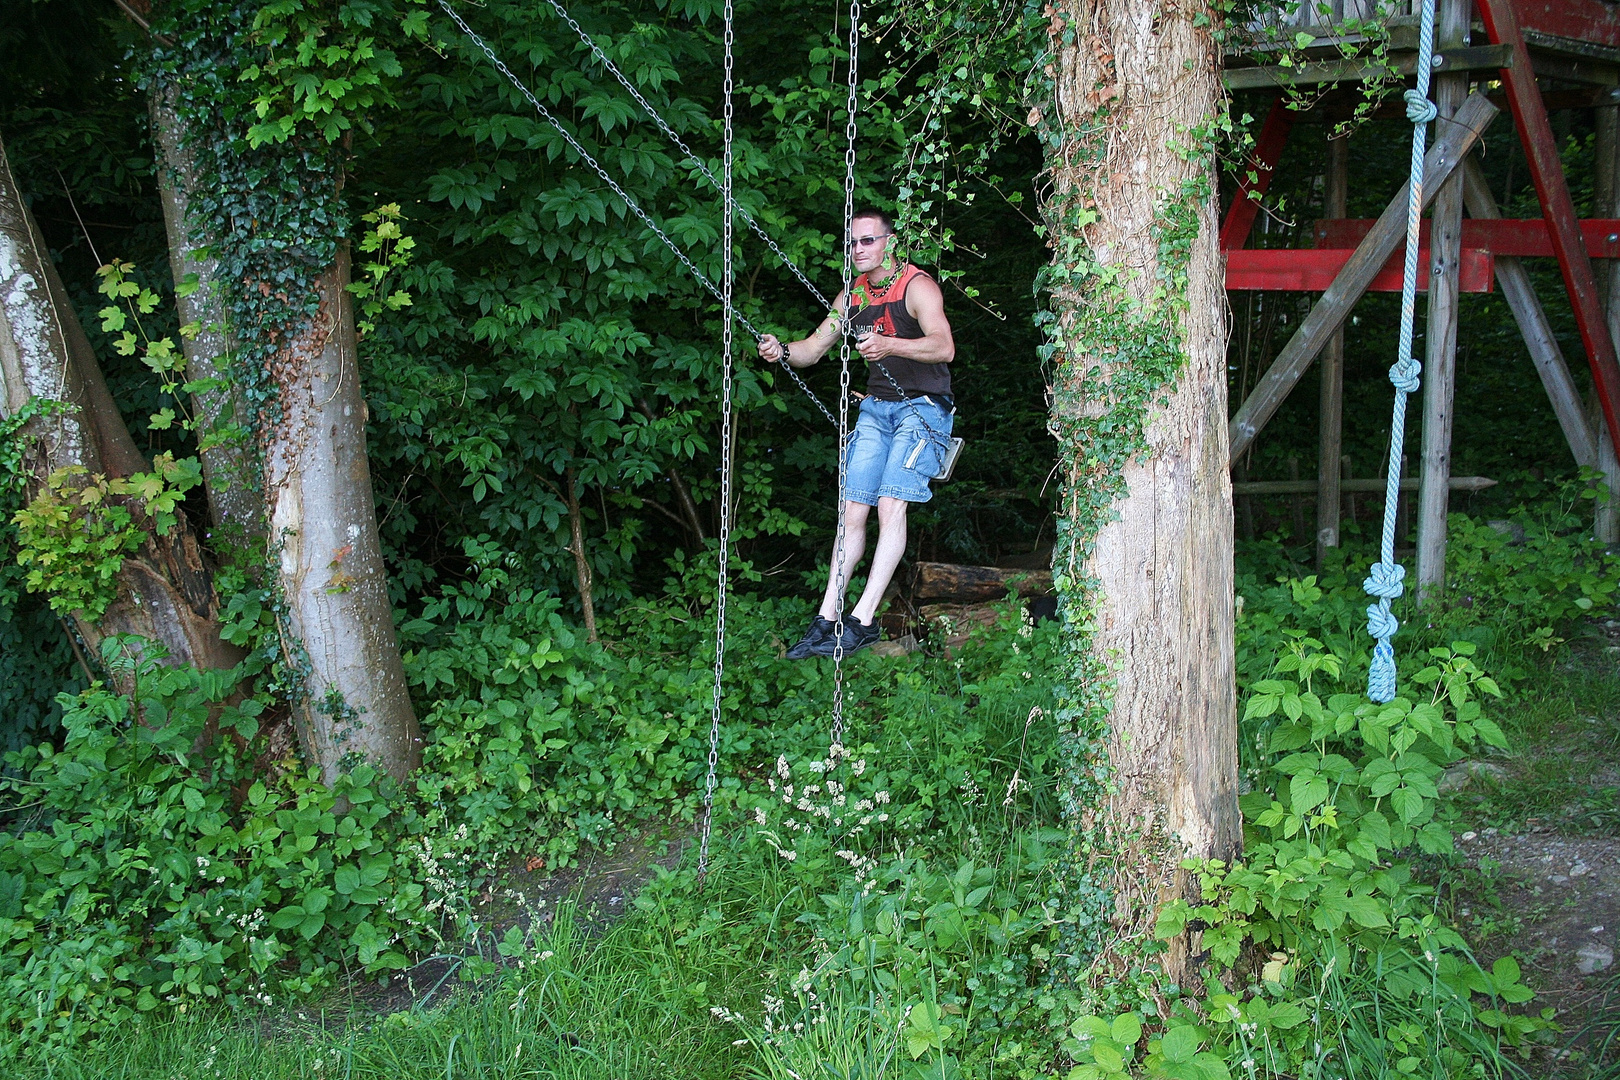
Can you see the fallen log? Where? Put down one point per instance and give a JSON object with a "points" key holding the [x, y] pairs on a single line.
{"points": [[954, 584]]}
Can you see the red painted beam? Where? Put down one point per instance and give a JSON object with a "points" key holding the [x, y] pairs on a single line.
{"points": [[1578, 20], [1547, 171], [1525, 239], [1313, 270], [1267, 152]]}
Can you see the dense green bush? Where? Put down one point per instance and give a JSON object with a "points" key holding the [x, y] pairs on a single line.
{"points": [[152, 863]]}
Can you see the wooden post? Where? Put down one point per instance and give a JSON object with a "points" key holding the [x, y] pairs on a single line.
{"points": [[1547, 172], [1240, 472], [1296, 505], [1606, 201], [1403, 510], [1440, 364], [1451, 143], [1349, 500], [1534, 326], [1331, 434]]}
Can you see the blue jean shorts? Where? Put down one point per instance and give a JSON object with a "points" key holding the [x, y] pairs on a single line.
{"points": [[892, 453]]}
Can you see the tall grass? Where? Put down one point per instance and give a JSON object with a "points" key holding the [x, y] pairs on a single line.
{"points": [[619, 1007]]}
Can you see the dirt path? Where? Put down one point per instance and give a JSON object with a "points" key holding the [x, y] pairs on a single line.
{"points": [[1553, 901]]}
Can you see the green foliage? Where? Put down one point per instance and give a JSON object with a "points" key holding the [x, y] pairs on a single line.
{"points": [[35, 655], [152, 863], [322, 67], [74, 535], [390, 252], [1344, 800]]}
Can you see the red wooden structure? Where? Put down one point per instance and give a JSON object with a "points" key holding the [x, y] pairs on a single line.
{"points": [[1514, 42]]}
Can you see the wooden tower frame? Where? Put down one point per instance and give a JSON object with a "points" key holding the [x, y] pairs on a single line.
{"points": [[1514, 41]]}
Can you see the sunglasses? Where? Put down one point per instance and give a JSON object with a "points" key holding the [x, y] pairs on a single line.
{"points": [[867, 241]]}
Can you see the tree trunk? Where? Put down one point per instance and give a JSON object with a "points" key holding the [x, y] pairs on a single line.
{"points": [[339, 625], [165, 589], [582, 562], [1138, 295], [229, 459]]}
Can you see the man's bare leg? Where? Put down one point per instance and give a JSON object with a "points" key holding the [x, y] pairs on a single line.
{"points": [[891, 548], [845, 562]]}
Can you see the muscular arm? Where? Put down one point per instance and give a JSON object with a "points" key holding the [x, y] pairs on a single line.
{"points": [[927, 305], [807, 350]]}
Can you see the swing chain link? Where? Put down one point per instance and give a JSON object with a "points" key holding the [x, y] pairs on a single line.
{"points": [[728, 288], [835, 749], [624, 196]]}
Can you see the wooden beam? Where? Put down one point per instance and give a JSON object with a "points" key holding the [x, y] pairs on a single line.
{"points": [[1440, 337], [1533, 326], [1371, 483], [1589, 72], [1478, 58], [1526, 238], [1452, 142], [1313, 270], [1547, 171], [1268, 150], [1577, 21], [1330, 401], [1605, 200], [1337, 106]]}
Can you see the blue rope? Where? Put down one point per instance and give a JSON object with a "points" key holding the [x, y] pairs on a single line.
{"points": [[1385, 580]]}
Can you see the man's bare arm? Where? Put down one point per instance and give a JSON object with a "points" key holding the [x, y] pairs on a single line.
{"points": [[807, 350], [926, 304]]}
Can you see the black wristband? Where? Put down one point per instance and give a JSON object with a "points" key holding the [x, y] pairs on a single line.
{"points": [[787, 357]]}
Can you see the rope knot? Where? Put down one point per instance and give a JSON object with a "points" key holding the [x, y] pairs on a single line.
{"points": [[1381, 676], [1404, 373], [1381, 624], [1384, 580], [1419, 109]]}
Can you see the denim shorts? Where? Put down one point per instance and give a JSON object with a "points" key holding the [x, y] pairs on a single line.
{"points": [[892, 453]]}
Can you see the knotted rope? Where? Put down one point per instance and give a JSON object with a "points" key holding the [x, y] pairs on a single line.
{"points": [[1386, 578]]}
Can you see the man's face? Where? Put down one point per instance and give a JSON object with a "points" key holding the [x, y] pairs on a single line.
{"points": [[869, 240]]}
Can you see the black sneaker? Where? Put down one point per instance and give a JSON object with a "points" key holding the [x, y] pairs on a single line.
{"points": [[857, 636], [820, 630]]}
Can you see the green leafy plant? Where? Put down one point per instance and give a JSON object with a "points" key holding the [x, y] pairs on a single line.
{"points": [[389, 251], [150, 865], [75, 534]]}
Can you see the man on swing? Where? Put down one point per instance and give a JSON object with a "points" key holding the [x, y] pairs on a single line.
{"points": [[900, 440]]}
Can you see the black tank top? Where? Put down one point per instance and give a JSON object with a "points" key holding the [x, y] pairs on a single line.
{"points": [[883, 308]]}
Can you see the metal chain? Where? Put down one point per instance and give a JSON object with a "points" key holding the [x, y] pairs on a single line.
{"points": [[727, 287], [691, 154], [850, 132], [635, 208]]}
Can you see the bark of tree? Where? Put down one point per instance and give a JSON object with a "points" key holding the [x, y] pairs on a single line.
{"points": [[1131, 81], [323, 537], [582, 562], [165, 589], [230, 466]]}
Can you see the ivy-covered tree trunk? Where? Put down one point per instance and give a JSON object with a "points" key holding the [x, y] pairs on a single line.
{"points": [[163, 590], [1144, 564], [229, 465], [323, 538]]}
